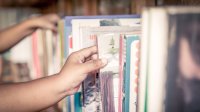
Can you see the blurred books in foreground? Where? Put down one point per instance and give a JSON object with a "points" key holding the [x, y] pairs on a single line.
{"points": [[169, 68]]}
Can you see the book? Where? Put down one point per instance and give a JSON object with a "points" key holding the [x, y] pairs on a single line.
{"points": [[134, 76], [36, 49], [78, 23], [84, 34], [108, 48], [91, 33], [68, 27], [131, 74]]}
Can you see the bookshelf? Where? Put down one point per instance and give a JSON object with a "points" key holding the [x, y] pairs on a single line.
{"points": [[81, 7], [89, 7], [92, 7], [63, 8]]}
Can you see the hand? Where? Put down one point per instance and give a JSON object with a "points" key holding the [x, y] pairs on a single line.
{"points": [[77, 67], [45, 22]]}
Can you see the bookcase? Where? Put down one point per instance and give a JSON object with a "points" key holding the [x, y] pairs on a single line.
{"points": [[80, 7]]}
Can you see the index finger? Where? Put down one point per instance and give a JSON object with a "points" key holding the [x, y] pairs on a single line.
{"points": [[87, 52]]}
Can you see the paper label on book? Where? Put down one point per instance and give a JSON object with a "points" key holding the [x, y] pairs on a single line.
{"points": [[108, 48]]}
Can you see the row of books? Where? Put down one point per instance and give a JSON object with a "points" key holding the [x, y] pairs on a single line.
{"points": [[101, 92], [18, 64], [153, 60], [14, 64], [152, 69], [48, 52]]}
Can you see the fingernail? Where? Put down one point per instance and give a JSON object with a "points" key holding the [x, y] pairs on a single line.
{"points": [[104, 61]]}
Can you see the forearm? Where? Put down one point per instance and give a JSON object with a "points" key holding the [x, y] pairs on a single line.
{"points": [[14, 34], [32, 96]]}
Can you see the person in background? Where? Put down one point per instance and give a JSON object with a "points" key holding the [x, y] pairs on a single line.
{"points": [[41, 93]]}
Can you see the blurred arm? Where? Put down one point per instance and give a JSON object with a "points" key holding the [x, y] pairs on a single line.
{"points": [[31, 96], [14, 34]]}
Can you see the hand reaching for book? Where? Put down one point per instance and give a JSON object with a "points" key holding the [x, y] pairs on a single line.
{"points": [[41, 93], [10, 36], [78, 65], [48, 21]]}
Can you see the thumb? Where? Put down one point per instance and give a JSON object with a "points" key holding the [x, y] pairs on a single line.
{"points": [[93, 65]]}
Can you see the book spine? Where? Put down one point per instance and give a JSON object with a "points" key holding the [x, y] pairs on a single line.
{"points": [[134, 75], [129, 40], [35, 55], [121, 67], [77, 102]]}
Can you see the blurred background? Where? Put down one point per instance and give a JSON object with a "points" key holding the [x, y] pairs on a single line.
{"points": [[13, 66], [14, 11], [89, 7]]}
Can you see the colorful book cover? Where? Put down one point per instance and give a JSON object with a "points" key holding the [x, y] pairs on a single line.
{"points": [[68, 25], [78, 23], [36, 60], [49, 41], [128, 68], [45, 55], [108, 48], [134, 73], [88, 38], [69, 41], [61, 30], [122, 57], [68, 104], [77, 102]]}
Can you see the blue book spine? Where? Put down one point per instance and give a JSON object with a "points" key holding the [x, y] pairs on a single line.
{"points": [[129, 40], [68, 104], [77, 102]]}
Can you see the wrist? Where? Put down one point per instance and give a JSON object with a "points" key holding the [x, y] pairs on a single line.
{"points": [[29, 23], [63, 83], [28, 26]]}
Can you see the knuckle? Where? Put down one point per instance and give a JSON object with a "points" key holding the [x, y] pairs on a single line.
{"points": [[96, 63], [73, 54]]}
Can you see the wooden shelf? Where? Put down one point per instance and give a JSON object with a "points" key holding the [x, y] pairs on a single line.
{"points": [[26, 3], [181, 2]]}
